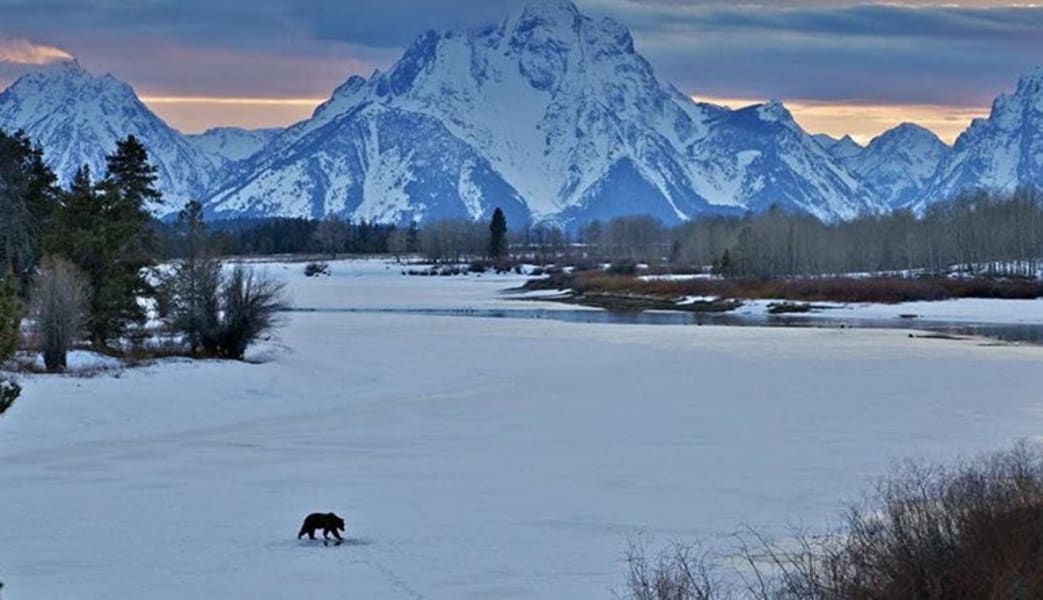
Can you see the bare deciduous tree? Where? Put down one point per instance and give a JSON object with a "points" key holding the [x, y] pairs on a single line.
{"points": [[60, 300], [679, 573]]}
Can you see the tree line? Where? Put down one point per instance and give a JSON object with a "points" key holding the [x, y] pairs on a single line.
{"points": [[984, 232], [452, 240], [81, 263], [271, 236]]}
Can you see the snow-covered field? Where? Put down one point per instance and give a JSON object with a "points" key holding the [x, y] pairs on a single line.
{"points": [[379, 284], [472, 458]]}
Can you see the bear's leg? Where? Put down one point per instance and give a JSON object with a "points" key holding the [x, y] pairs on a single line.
{"points": [[325, 534], [336, 534]]}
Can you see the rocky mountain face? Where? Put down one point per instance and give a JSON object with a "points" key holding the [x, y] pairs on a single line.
{"points": [[223, 146], [77, 117], [899, 165], [1002, 152], [550, 114]]}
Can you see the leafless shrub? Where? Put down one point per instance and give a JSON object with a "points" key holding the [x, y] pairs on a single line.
{"points": [[971, 530], [250, 306], [678, 573], [60, 297]]}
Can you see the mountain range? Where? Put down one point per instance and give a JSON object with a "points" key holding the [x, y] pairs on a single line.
{"points": [[549, 114]]}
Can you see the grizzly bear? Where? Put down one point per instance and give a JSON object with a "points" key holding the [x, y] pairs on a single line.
{"points": [[327, 522]]}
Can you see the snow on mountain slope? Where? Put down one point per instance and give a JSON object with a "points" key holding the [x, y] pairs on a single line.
{"points": [[223, 145], [550, 114], [1000, 152], [77, 117], [841, 149], [564, 112], [899, 164], [768, 159], [360, 165]]}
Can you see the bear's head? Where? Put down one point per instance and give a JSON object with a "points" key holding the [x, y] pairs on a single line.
{"points": [[336, 521]]}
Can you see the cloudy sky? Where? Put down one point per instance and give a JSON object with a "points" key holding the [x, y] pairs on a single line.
{"points": [[842, 67]]}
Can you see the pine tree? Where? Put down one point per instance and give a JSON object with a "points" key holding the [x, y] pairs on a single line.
{"points": [[191, 227], [413, 238], [27, 200], [10, 326], [10, 318], [498, 236], [105, 230], [332, 234], [129, 172]]}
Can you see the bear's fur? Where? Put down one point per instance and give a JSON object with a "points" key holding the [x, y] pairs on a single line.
{"points": [[327, 522]]}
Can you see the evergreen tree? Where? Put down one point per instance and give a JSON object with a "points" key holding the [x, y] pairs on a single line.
{"points": [[332, 235], [27, 200], [498, 236], [10, 325], [105, 231], [413, 238], [10, 318], [191, 228], [131, 174]]}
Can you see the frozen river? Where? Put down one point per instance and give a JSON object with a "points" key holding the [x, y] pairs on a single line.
{"points": [[472, 458]]}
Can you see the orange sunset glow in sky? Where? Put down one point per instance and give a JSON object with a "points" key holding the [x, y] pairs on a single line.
{"points": [[861, 121]]}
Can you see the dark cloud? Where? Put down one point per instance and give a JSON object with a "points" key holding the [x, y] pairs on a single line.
{"points": [[962, 52], [884, 53], [396, 22]]}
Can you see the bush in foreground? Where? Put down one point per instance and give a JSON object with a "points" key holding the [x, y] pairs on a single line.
{"points": [[971, 530], [679, 573], [250, 304], [222, 314]]}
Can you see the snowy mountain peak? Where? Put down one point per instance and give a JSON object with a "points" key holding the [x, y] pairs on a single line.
{"points": [[774, 111], [899, 164], [548, 12], [551, 114], [769, 114], [225, 145], [1001, 152], [909, 133], [78, 116], [1031, 82], [67, 76]]}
